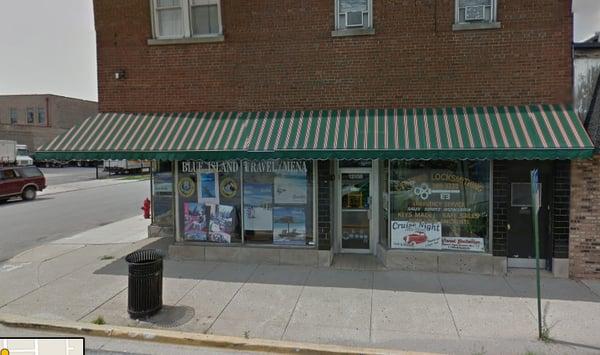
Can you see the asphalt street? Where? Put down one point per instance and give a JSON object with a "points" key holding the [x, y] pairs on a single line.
{"points": [[56, 176], [27, 224]]}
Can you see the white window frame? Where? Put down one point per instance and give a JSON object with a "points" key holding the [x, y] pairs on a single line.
{"points": [[155, 22], [494, 10], [204, 3], [369, 25], [186, 19]]}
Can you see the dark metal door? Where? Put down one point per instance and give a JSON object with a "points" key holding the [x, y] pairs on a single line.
{"points": [[521, 242]]}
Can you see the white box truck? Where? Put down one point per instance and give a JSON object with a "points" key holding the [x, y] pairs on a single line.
{"points": [[12, 153]]}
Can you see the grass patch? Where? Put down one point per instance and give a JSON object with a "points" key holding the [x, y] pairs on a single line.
{"points": [[99, 320], [546, 338], [107, 257], [136, 177]]}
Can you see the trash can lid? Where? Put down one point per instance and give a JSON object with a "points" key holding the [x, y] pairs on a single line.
{"points": [[144, 256]]}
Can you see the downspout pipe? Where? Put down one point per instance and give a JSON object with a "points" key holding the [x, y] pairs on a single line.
{"points": [[47, 112]]}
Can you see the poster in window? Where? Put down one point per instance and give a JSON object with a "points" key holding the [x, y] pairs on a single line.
{"points": [[208, 187], [163, 182], [290, 188], [289, 225], [222, 223], [195, 221], [416, 235], [463, 244], [258, 207]]}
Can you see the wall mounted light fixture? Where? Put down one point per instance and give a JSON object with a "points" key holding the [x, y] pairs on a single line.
{"points": [[120, 74]]}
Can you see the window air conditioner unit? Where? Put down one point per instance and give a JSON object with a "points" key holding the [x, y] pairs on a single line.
{"points": [[475, 13], [354, 19]]}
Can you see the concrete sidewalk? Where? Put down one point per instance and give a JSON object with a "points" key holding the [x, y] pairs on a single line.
{"points": [[414, 311], [126, 231]]}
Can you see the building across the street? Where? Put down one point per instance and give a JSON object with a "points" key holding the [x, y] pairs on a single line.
{"points": [[35, 119], [296, 132]]}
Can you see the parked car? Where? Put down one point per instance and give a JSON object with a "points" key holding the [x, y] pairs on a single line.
{"points": [[23, 181]]}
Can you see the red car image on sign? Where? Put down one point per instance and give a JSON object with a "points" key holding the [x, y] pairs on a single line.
{"points": [[415, 238]]}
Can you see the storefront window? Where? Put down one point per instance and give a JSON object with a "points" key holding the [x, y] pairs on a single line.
{"points": [[278, 202], [439, 205], [162, 194], [209, 201]]}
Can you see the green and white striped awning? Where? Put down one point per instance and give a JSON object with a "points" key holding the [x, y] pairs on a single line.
{"points": [[500, 132]]}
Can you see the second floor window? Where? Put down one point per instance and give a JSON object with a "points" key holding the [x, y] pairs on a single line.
{"points": [[186, 18], [41, 116], [30, 115], [352, 14], [475, 11], [14, 116]]}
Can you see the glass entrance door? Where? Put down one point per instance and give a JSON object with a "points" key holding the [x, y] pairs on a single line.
{"points": [[355, 210]]}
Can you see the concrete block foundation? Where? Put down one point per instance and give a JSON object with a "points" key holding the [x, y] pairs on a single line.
{"points": [[437, 261], [410, 260], [250, 254]]}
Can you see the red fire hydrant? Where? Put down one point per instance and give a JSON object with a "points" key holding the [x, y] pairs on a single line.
{"points": [[146, 208]]}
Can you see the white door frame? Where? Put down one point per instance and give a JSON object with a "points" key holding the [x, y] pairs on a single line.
{"points": [[373, 172]]}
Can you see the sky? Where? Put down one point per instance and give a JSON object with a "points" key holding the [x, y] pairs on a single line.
{"points": [[48, 46]]}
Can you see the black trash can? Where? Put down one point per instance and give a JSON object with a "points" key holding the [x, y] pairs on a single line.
{"points": [[145, 283]]}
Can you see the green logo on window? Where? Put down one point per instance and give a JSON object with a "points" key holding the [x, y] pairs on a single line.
{"points": [[186, 187]]}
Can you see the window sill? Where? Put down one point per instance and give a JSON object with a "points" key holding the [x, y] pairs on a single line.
{"points": [[476, 26], [190, 40], [353, 32]]}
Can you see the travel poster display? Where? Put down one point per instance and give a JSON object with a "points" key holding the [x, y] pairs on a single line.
{"points": [[163, 182], [289, 226], [258, 207], [416, 235], [221, 224], [290, 188], [208, 187], [195, 221]]}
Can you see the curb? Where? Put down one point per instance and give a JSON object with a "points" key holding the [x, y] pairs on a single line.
{"points": [[191, 339]]}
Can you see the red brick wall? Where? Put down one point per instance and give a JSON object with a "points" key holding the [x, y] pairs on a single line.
{"points": [[279, 54], [584, 243]]}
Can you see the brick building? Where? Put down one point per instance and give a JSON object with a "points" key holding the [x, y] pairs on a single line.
{"points": [[585, 196], [296, 132], [35, 119]]}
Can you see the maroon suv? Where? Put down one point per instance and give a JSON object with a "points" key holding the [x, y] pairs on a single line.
{"points": [[23, 181]]}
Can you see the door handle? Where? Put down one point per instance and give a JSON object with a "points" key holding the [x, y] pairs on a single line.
{"points": [[508, 226]]}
